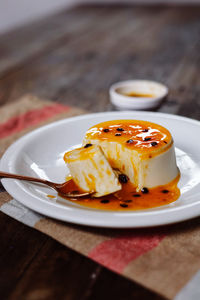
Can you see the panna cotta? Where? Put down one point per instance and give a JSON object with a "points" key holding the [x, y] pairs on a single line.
{"points": [[141, 150]]}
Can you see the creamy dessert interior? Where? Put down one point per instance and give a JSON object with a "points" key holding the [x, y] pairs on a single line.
{"points": [[91, 171]]}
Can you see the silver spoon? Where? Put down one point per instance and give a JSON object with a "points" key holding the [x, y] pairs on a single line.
{"points": [[55, 186]]}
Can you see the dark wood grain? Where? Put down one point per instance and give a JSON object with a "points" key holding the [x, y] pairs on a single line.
{"points": [[73, 57]]}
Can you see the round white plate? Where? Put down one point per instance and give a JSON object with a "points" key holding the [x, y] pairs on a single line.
{"points": [[40, 153]]}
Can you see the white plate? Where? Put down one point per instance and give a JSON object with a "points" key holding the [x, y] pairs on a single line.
{"points": [[40, 153]]}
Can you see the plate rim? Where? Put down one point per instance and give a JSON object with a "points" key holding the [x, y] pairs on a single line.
{"points": [[19, 195]]}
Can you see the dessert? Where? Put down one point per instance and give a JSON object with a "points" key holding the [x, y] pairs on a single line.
{"points": [[144, 151], [129, 164], [91, 171]]}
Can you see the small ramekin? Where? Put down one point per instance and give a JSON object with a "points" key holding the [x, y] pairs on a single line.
{"points": [[124, 102]]}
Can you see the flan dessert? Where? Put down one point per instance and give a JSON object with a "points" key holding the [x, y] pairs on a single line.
{"points": [[142, 150], [127, 164]]}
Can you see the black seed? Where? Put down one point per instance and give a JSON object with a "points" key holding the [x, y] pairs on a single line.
{"points": [[128, 201], [147, 139], [144, 190], [120, 129], [123, 205], [123, 178], [87, 145], [165, 191], [145, 130], [165, 142], [117, 134], [130, 141], [106, 130], [136, 195], [105, 201], [154, 143]]}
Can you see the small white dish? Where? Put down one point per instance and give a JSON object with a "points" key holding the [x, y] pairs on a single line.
{"points": [[40, 154], [145, 94]]}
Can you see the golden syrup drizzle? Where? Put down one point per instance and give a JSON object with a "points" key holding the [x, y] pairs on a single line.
{"points": [[51, 196], [137, 135], [128, 199]]}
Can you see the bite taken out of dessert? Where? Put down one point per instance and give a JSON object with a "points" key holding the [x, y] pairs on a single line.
{"points": [[126, 164]]}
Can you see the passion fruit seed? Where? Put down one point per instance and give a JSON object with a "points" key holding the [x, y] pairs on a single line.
{"points": [[123, 178], [147, 139], [145, 130], [144, 190], [165, 191], [136, 195], [117, 134], [120, 129], [106, 130], [87, 145], [123, 205], [130, 141], [154, 143], [105, 201]]}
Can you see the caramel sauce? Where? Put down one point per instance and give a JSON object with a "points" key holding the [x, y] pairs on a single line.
{"points": [[143, 136], [128, 199], [139, 95]]}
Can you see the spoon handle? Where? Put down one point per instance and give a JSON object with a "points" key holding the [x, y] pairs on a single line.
{"points": [[56, 186], [27, 178]]}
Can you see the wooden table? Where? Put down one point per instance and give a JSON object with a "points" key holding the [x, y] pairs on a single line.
{"points": [[73, 57]]}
